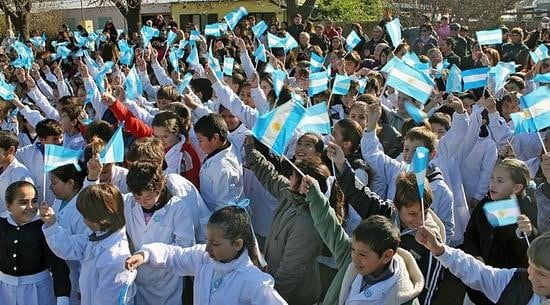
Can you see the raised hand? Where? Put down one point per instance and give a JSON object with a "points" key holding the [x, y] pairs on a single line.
{"points": [[428, 239], [47, 214], [94, 168], [134, 261], [524, 225], [336, 155]]}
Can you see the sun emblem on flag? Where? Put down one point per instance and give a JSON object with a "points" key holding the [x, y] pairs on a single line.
{"points": [[276, 126], [501, 214]]}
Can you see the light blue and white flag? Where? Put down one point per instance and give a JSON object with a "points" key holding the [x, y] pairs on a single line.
{"points": [[114, 149], [126, 295], [228, 63], [260, 53], [411, 59], [170, 38], [275, 41], [193, 58], [439, 68], [341, 84], [278, 77], [394, 30], [259, 29], [419, 165], [489, 37], [538, 105], [25, 56], [390, 64], [316, 119], [540, 53], [185, 82], [56, 156], [233, 17], [214, 64], [475, 78], [132, 84], [7, 90], [411, 82], [416, 114], [542, 78], [502, 212], [194, 35], [100, 77], [523, 122], [500, 73], [318, 82], [276, 128], [454, 80], [126, 52], [147, 33], [39, 41], [352, 41], [316, 62], [362, 84], [212, 30], [290, 42], [174, 59]]}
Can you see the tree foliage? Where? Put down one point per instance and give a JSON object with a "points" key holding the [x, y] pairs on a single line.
{"points": [[351, 10]]}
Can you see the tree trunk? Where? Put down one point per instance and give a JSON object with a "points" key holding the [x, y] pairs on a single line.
{"points": [[305, 10], [21, 24], [133, 19], [9, 24]]}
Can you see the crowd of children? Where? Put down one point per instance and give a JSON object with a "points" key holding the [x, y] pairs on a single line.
{"points": [[203, 210]]}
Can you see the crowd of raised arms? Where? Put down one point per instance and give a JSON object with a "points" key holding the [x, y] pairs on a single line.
{"points": [[255, 162]]}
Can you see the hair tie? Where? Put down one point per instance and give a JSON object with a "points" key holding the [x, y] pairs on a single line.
{"points": [[243, 203], [330, 182]]}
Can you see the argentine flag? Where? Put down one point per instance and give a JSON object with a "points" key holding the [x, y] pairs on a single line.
{"points": [[114, 150], [352, 41], [502, 212], [275, 41], [126, 52], [362, 84], [39, 41], [7, 90], [133, 85], [128, 290], [259, 53], [420, 166], [475, 78], [523, 122], [276, 128], [316, 62], [100, 77], [542, 78], [454, 80], [416, 114], [316, 119], [259, 28], [409, 81], [278, 77], [228, 63], [185, 82], [147, 33], [194, 36], [489, 37], [290, 42], [212, 30], [540, 53], [193, 57], [341, 84], [318, 82], [170, 38], [56, 156], [394, 30], [500, 73], [232, 18], [538, 105]]}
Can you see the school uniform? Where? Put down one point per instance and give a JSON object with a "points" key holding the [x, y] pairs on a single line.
{"points": [[118, 178], [525, 145], [221, 178], [30, 273], [501, 286], [172, 224], [238, 282], [542, 199], [478, 167], [74, 142], [173, 157], [15, 171], [102, 256], [32, 156], [26, 139], [68, 217]]}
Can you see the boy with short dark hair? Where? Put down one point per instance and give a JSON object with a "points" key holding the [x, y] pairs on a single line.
{"points": [[221, 174]]}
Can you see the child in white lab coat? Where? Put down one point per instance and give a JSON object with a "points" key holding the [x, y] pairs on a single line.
{"points": [[103, 252], [225, 269]]}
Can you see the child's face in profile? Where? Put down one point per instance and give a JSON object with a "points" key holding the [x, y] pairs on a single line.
{"points": [[24, 206], [540, 279], [366, 260], [502, 186], [220, 248]]}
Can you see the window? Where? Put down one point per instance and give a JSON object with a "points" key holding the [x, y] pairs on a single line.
{"points": [[200, 20]]}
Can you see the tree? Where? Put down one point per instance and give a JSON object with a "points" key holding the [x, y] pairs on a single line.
{"points": [[351, 10], [18, 12], [130, 9]]}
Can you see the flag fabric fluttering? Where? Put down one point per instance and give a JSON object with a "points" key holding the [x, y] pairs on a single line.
{"points": [[393, 29], [454, 80], [114, 149], [416, 114], [260, 53], [185, 82], [100, 77], [542, 78], [500, 73], [147, 33], [411, 82], [502, 212], [523, 122], [126, 52], [228, 63], [318, 82], [352, 41], [489, 37], [341, 84], [362, 84], [174, 59], [233, 17], [170, 38], [538, 105], [194, 35], [290, 42], [316, 119], [133, 86], [419, 165], [316, 62], [259, 29], [275, 41], [278, 77], [193, 57], [212, 30], [127, 292], [56, 156], [39, 41], [25, 56], [276, 128], [7, 90], [475, 78], [540, 53]]}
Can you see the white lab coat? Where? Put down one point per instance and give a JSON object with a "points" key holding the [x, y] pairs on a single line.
{"points": [[33, 159], [237, 282], [221, 178], [173, 224], [118, 178], [102, 274], [70, 219], [173, 158], [16, 171], [478, 167]]}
